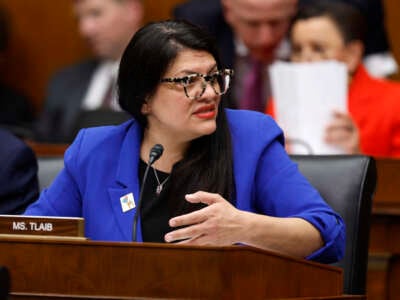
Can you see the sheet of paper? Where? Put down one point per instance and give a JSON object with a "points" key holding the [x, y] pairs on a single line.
{"points": [[305, 96]]}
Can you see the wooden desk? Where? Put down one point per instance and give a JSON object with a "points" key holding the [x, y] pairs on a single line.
{"points": [[110, 270], [45, 149], [384, 271]]}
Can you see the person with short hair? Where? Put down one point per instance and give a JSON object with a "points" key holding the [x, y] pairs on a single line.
{"points": [[223, 178], [250, 36], [330, 30], [84, 94]]}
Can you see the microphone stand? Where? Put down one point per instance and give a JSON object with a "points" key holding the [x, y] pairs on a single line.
{"points": [[155, 154]]}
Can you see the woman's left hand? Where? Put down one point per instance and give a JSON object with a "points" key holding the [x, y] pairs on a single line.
{"points": [[343, 132], [216, 224]]}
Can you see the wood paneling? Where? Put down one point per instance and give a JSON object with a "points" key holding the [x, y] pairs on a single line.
{"points": [[384, 236], [45, 38], [392, 10], [159, 10]]}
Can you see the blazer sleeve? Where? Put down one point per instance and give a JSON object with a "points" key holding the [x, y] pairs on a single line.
{"points": [[284, 192], [63, 196], [268, 182]]}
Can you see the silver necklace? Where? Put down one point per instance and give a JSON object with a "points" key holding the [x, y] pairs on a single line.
{"points": [[160, 185]]}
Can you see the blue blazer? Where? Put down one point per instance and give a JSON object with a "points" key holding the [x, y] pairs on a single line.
{"points": [[101, 166]]}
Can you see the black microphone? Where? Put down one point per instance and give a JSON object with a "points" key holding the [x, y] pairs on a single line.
{"points": [[155, 154]]}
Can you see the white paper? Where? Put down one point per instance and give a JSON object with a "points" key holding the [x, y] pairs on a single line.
{"points": [[305, 96]]}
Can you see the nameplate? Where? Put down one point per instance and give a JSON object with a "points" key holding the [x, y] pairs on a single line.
{"points": [[41, 226]]}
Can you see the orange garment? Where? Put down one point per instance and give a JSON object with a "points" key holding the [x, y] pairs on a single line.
{"points": [[374, 105]]}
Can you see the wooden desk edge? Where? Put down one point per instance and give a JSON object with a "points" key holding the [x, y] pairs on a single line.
{"points": [[43, 237]]}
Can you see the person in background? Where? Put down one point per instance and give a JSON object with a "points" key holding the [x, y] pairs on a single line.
{"points": [[16, 110], [250, 36], [330, 30], [19, 185], [224, 177], [85, 93], [378, 59]]}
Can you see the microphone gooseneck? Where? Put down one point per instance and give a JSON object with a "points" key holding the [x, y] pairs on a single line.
{"points": [[155, 153]]}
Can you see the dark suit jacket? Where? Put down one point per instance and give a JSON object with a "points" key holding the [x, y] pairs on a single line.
{"points": [[208, 14], [65, 94], [16, 110], [62, 115], [18, 174]]}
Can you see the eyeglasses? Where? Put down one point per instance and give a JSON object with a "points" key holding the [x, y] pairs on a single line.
{"points": [[195, 85]]}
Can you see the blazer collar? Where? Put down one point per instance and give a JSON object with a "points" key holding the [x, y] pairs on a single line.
{"points": [[129, 156], [127, 179]]}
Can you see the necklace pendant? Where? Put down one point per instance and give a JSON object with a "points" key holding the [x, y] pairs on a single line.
{"points": [[159, 189]]}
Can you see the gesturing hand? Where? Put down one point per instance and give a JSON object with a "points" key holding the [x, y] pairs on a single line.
{"points": [[216, 224]]}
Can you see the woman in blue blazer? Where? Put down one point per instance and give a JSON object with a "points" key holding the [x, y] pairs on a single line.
{"points": [[224, 177]]}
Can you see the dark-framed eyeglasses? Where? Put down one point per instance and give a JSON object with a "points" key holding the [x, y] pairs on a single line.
{"points": [[195, 84]]}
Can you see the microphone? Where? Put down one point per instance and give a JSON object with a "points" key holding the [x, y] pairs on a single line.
{"points": [[155, 154]]}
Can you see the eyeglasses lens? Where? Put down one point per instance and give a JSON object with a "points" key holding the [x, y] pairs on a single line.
{"points": [[196, 86]]}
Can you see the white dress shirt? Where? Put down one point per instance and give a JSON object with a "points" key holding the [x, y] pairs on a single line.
{"points": [[103, 76]]}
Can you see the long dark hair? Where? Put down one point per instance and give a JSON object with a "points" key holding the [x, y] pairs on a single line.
{"points": [[207, 164]]}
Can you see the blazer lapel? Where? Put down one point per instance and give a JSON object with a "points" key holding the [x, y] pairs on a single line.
{"points": [[127, 179]]}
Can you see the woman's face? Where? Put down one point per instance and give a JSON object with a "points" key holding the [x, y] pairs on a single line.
{"points": [[171, 114], [317, 39]]}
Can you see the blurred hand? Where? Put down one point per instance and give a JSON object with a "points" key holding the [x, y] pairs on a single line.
{"points": [[343, 133], [217, 224]]}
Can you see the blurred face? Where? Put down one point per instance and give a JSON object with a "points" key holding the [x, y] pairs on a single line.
{"points": [[108, 25], [318, 39], [171, 114], [260, 24]]}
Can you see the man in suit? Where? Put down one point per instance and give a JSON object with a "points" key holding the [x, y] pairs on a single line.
{"points": [[254, 30], [89, 86], [18, 174], [250, 36]]}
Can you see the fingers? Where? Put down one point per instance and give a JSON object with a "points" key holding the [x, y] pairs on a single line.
{"points": [[342, 121], [186, 234], [191, 219], [338, 135], [195, 217], [199, 215], [343, 133], [203, 197], [214, 224], [198, 241]]}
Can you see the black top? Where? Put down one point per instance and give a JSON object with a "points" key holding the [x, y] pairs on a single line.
{"points": [[155, 211]]}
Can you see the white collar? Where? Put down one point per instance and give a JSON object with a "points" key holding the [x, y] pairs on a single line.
{"points": [[281, 53]]}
